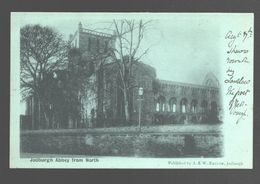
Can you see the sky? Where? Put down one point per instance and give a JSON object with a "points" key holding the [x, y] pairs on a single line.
{"points": [[183, 47]]}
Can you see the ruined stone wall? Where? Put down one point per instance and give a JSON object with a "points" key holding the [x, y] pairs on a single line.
{"points": [[195, 93], [199, 100], [187, 103]]}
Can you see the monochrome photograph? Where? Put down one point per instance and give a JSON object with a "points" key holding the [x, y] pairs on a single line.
{"points": [[105, 87]]}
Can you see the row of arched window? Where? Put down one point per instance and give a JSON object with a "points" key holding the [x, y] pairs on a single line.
{"points": [[172, 105]]}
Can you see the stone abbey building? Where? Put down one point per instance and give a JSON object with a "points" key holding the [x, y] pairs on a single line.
{"points": [[164, 102]]}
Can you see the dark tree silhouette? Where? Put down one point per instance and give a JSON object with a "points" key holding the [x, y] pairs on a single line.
{"points": [[42, 51]]}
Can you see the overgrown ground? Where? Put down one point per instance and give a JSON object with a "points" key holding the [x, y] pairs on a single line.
{"points": [[156, 141]]}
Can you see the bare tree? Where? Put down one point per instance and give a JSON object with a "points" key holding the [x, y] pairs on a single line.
{"points": [[129, 35], [42, 51]]}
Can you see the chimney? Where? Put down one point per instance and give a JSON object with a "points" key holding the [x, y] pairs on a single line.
{"points": [[80, 26]]}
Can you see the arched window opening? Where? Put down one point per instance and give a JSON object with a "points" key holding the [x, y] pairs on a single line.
{"points": [[194, 104], [204, 106], [214, 106], [163, 107], [160, 104], [89, 44], [172, 104], [183, 105], [98, 45], [157, 107]]}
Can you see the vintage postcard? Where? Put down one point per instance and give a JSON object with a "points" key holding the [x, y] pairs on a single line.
{"points": [[131, 90]]}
